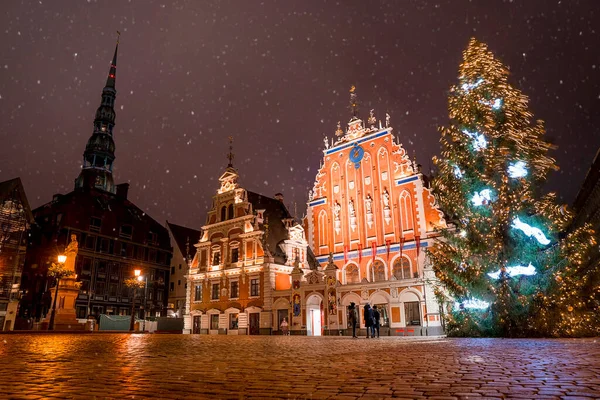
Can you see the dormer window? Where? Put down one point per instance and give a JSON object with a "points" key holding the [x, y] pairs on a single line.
{"points": [[126, 231], [95, 224], [230, 212], [223, 213], [152, 238]]}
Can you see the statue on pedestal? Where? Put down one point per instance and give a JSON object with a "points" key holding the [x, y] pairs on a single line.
{"points": [[63, 316]]}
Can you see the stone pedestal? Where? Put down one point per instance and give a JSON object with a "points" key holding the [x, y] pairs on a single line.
{"points": [[65, 317]]}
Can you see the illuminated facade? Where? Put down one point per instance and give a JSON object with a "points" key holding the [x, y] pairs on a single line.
{"points": [[243, 263], [372, 210]]}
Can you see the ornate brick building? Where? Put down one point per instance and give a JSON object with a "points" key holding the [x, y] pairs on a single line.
{"points": [[372, 210], [243, 263], [15, 220]]}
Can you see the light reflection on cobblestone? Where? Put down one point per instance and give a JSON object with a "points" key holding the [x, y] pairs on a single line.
{"points": [[192, 366]]}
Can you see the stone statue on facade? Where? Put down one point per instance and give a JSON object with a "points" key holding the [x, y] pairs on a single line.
{"points": [[336, 211], [368, 204], [386, 199]]}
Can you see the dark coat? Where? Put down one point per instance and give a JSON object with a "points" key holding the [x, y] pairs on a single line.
{"points": [[351, 316], [376, 317], [368, 316]]}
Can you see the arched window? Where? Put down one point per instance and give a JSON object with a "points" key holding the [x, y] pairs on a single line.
{"points": [[383, 164], [406, 212], [323, 228], [352, 274], [402, 268], [378, 271], [230, 212], [223, 213]]}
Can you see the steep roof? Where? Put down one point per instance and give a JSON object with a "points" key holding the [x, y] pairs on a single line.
{"points": [[7, 188], [592, 179], [276, 212], [81, 204], [183, 236]]}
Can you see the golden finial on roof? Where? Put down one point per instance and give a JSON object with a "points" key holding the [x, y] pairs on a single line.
{"points": [[353, 101], [339, 131], [230, 155]]}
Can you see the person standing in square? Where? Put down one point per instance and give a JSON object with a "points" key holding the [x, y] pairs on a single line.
{"points": [[376, 321]]}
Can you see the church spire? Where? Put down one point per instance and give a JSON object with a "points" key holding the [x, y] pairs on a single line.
{"points": [[112, 73], [99, 154]]}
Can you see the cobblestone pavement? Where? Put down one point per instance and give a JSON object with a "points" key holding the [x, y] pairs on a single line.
{"points": [[291, 367]]}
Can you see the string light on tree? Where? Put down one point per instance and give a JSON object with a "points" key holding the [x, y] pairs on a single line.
{"points": [[481, 198], [472, 304], [517, 169], [479, 142], [457, 172], [468, 86], [492, 118], [515, 271], [531, 231]]}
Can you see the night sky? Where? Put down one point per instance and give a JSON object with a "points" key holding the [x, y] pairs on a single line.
{"points": [[274, 75]]}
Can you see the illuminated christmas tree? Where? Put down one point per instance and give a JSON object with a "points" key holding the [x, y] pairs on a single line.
{"points": [[501, 259]]}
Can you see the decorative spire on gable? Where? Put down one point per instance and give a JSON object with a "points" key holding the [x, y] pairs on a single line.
{"points": [[230, 176], [356, 126], [353, 102], [230, 155]]}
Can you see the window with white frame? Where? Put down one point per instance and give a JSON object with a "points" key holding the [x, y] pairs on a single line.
{"points": [[215, 292], [235, 252], [352, 274], [378, 271], [402, 268], [254, 287], [198, 292], [234, 290], [216, 257]]}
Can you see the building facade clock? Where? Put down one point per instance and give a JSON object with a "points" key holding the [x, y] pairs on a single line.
{"points": [[356, 155]]}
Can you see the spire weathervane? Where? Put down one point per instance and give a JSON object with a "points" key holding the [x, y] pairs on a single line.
{"points": [[353, 101], [230, 155]]}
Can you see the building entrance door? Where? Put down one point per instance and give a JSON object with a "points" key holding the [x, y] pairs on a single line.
{"points": [[254, 323], [313, 320], [411, 311], [281, 314], [196, 326]]}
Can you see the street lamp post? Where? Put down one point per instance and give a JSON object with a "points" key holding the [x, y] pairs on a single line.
{"points": [[132, 319], [58, 271], [134, 283], [145, 302]]}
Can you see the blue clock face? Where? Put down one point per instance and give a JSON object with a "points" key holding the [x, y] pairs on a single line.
{"points": [[356, 154]]}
